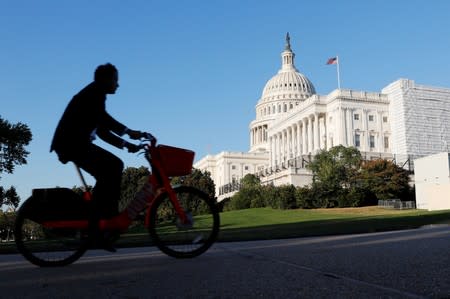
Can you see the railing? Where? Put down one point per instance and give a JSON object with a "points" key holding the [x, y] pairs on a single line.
{"points": [[397, 204], [227, 188], [301, 162]]}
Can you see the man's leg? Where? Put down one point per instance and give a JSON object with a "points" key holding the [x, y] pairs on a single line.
{"points": [[107, 170]]}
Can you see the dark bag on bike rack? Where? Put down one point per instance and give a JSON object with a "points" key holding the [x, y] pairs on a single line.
{"points": [[56, 204]]}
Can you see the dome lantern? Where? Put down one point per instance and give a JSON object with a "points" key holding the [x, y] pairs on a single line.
{"points": [[287, 57], [288, 82]]}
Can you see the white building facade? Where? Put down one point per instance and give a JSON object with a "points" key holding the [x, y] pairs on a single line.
{"points": [[293, 123]]}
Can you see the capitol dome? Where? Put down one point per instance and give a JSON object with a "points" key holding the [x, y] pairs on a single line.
{"points": [[281, 94], [288, 83]]}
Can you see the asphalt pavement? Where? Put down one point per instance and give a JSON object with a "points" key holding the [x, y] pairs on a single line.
{"points": [[399, 264]]}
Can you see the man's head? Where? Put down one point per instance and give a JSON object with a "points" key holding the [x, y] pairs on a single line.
{"points": [[108, 77]]}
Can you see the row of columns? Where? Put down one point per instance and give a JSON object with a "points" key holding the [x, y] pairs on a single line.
{"points": [[258, 135], [315, 132], [301, 138]]}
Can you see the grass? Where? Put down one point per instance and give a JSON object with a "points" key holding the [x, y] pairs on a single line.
{"points": [[267, 223]]}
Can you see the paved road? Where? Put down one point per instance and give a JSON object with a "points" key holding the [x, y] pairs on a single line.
{"points": [[402, 264]]}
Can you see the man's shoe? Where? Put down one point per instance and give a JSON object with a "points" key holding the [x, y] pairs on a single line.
{"points": [[105, 241], [108, 246], [108, 240]]}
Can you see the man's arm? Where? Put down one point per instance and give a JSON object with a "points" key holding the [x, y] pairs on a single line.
{"points": [[108, 125]]}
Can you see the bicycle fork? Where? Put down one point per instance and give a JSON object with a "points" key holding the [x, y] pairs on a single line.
{"points": [[185, 219]]}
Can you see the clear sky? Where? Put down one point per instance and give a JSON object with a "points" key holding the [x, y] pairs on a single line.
{"points": [[191, 72]]}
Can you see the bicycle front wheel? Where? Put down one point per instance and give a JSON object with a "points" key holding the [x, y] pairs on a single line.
{"points": [[47, 247], [184, 240]]}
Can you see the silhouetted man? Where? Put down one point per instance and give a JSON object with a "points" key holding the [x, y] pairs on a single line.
{"points": [[84, 118]]}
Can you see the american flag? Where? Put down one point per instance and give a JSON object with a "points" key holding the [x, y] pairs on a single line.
{"points": [[332, 60]]}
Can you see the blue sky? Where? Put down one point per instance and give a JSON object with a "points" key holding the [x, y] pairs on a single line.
{"points": [[191, 72]]}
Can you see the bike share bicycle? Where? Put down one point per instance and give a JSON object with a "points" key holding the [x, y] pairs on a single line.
{"points": [[51, 227]]}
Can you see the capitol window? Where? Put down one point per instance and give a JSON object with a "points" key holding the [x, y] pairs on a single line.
{"points": [[385, 119], [356, 116], [357, 140], [372, 141], [371, 118]]}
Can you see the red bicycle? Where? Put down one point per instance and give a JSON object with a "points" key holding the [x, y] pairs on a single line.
{"points": [[51, 227]]}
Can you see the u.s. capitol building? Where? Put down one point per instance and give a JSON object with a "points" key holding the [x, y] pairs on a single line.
{"points": [[402, 122]]}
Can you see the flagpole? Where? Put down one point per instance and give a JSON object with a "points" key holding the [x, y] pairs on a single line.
{"points": [[338, 75]]}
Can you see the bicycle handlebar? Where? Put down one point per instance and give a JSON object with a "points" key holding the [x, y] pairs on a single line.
{"points": [[148, 137]]}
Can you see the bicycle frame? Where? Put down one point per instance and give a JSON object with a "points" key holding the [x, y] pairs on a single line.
{"points": [[123, 221], [152, 156]]}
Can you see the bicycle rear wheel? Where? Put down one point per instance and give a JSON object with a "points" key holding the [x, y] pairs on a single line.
{"points": [[181, 240], [47, 247]]}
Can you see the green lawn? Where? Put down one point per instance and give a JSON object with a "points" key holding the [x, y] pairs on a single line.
{"points": [[267, 223]]}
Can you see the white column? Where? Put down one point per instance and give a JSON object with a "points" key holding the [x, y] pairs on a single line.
{"points": [[316, 132], [290, 141], [299, 143], [323, 133], [310, 135], [350, 138], [331, 129], [294, 139], [304, 145], [275, 145], [365, 132], [278, 148], [342, 128], [380, 144], [265, 133]]}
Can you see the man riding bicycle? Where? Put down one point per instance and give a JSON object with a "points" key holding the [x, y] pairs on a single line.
{"points": [[84, 118]]}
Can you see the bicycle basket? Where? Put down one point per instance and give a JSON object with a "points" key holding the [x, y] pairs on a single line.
{"points": [[176, 161]]}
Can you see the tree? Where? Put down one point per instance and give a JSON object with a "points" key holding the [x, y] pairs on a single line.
{"points": [[199, 179], [249, 195], [334, 174], [385, 179], [286, 198], [9, 197], [13, 139], [336, 167], [132, 181]]}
